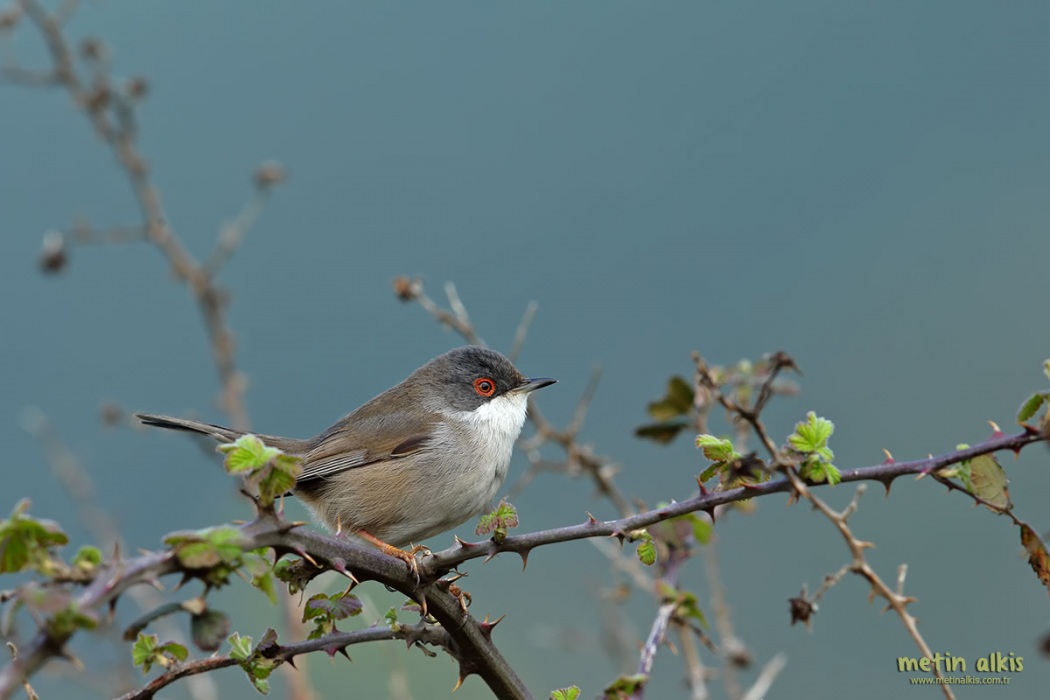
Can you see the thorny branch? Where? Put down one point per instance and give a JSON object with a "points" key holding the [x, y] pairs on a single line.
{"points": [[468, 641], [474, 648], [332, 644]]}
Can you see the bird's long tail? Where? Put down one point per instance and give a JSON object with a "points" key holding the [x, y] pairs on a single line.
{"points": [[218, 432], [193, 426]]}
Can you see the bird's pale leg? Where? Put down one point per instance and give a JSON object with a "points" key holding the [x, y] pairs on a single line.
{"points": [[408, 557]]}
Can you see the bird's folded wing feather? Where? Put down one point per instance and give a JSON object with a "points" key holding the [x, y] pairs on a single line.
{"points": [[358, 440]]}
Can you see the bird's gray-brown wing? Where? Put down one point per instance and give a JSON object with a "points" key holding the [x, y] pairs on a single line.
{"points": [[364, 438]]}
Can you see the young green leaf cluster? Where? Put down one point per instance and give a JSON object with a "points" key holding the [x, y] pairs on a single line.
{"points": [[501, 519], [147, 651], [324, 610], [253, 661], [810, 442], [269, 471]]}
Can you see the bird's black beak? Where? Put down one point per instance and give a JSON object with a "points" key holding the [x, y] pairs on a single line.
{"points": [[533, 384]]}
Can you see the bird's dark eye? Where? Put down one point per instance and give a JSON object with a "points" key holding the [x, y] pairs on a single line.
{"points": [[484, 386]]}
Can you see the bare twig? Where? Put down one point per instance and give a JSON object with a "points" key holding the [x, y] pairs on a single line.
{"points": [[657, 636], [764, 682], [233, 232], [695, 673], [111, 114], [456, 318], [733, 649], [522, 331], [578, 457], [896, 600]]}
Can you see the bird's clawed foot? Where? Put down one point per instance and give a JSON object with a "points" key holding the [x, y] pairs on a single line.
{"points": [[409, 557], [461, 596]]}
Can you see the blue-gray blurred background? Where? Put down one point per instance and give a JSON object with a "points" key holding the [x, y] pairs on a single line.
{"points": [[861, 184]]}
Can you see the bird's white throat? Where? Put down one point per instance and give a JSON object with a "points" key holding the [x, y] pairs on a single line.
{"points": [[494, 427], [498, 422]]}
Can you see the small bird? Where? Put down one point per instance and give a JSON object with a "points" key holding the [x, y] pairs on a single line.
{"points": [[415, 461]]}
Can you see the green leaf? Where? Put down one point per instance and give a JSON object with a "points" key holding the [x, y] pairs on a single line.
{"points": [[206, 549], [818, 472], [198, 555], [246, 454], [661, 433], [296, 573], [289, 464], [391, 618], [144, 650], [832, 474], [336, 607], [711, 471], [264, 582], [811, 440], [27, 542], [812, 435], [240, 647], [570, 693], [689, 606], [261, 570], [987, 480], [503, 517], [676, 402], [87, 557], [1032, 405], [176, 651], [14, 553], [209, 629], [647, 551], [257, 667], [262, 684], [325, 610], [717, 449], [72, 618], [273, 483], [625, 686]]}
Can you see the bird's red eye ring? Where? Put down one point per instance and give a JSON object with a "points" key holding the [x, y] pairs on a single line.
{"points": [[484, 386]]}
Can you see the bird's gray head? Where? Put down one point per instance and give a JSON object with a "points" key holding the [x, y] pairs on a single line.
{"points": [[469, 377]]}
